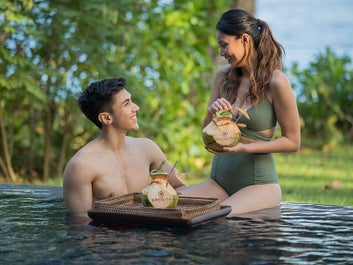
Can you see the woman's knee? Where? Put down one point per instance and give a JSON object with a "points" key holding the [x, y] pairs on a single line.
{"points": [[255, 197]]}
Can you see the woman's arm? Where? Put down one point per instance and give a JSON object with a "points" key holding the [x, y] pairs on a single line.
{"points": [[215, 95], [284, 102]]}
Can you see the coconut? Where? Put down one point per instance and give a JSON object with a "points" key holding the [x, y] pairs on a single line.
{"points": [[221, 132], [159, 193]]}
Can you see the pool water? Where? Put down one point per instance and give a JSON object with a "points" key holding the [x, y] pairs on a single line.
{"points": [[35, 229]]}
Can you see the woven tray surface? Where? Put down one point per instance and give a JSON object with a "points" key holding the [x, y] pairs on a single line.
{"points": [[131, 204]]}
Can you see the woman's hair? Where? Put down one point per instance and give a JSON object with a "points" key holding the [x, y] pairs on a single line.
{"points": [[269, 54], [98, 97]]}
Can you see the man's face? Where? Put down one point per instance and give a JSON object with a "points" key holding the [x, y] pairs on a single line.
{"points": [[124, 111]]}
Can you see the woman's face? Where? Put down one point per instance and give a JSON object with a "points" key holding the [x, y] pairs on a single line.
{"points": [[232, 48]]}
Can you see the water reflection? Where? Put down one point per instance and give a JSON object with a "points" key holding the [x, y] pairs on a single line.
{"points": [[266, 214], [36, 230]]}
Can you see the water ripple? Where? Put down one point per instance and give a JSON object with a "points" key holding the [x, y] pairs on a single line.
{"points": [[35, 230]]}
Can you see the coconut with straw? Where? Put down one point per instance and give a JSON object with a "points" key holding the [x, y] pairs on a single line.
{"points": [[222, 131], [159, 193]]}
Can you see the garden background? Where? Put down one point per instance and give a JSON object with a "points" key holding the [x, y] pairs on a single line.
{"points": [[51, 50]]}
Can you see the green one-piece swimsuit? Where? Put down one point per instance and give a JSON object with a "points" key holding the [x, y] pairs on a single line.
{"points": [[237, 170]]}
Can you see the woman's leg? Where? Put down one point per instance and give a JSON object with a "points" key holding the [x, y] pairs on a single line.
{"points": [[254, 198], [207, 188]]}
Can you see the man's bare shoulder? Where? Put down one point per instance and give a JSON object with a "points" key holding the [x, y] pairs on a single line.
{"points": [[147, 149], [87, 153], [81, 158], [85, 161], [142, 143]]}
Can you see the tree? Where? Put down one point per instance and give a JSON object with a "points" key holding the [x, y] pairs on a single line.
{"points": [[326, 99], [51, 50], [17, 84]]}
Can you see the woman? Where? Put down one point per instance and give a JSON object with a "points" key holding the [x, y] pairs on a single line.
{"points": [[244, 176]]}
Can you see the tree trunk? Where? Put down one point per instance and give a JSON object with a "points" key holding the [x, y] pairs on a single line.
{"points": [[248, 5], [62, 157], [6, 165], [49, 120], [69, 124], [32, 143]]}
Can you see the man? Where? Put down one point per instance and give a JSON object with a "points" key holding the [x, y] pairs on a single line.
{"points": [[112, 164]]}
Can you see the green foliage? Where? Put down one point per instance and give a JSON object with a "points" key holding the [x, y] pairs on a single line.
{"points": [[174, 68], [326, 99], [51, 50]]}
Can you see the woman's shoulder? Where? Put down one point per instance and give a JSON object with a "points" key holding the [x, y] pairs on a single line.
{"points": [[279, 84], [278, 77], [279, 81], [221, 72], [223, 69]]}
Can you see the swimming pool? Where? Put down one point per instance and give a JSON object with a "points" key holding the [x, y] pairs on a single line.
{"points": [[34, 229]]}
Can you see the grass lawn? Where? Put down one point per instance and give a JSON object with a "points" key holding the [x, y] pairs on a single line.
{"points": [[305, 176], [315, 177]]}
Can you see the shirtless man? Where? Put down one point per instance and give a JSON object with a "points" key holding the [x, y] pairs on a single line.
{"points": [[112, 164]]}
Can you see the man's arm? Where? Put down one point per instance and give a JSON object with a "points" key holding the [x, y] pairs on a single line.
{"points": [[176, 179], [77, 187], [157, 157]]}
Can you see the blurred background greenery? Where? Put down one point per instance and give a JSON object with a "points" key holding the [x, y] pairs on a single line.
{"points": [[51, 50]]}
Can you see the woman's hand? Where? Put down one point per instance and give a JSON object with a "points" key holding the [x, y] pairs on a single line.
{"points": [[220, 104], [238, 148]]}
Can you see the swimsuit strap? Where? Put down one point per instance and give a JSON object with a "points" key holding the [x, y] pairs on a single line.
{"points": [[254, 135]]}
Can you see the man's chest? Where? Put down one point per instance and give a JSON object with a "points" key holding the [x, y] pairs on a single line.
{"points": [[116, 179]]}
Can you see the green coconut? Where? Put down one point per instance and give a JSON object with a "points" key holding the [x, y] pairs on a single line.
{"points": [[224, 113], [150, 199], [157, 171], [159, 193], [221, 132]]}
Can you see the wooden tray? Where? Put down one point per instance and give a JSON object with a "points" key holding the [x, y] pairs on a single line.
{"points": [[128, 209]]}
